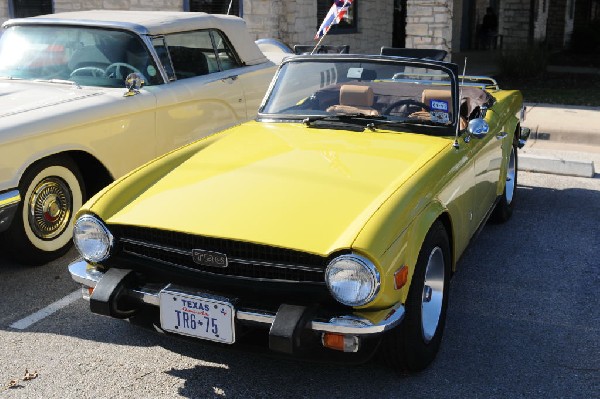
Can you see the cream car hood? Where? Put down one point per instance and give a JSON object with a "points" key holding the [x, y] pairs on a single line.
{"points": [[283, 185], [23, 97]]}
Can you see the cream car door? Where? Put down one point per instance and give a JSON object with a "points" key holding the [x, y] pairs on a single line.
{"points": [[204, 94]]}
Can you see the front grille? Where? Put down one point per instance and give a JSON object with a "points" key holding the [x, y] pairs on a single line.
{"points": [[245, 260]]}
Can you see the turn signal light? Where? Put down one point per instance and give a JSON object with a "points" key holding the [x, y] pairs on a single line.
{"points": [[86, 292], [401, 277], [340, 342]]}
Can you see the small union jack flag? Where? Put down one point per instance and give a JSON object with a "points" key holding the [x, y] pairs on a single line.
{"points": [[334, 16]]}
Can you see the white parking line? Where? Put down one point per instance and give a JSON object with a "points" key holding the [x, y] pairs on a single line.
{"points": [[47, 311]]}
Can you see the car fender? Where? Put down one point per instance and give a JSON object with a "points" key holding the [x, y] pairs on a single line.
{"points": [[404, 251]]}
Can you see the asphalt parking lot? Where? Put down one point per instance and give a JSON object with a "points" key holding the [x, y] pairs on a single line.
{"points": [[523, 321]]}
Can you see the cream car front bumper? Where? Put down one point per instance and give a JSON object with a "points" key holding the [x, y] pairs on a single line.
{"points": [[9, 202]]}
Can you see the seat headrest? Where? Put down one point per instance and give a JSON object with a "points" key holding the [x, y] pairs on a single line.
{"points": [[437, 94], [358, 96]]}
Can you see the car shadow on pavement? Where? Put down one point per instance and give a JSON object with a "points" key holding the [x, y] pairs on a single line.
{"points": [[522, 321]]}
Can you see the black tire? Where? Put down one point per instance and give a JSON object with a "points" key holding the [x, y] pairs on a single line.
{"points": [[413, 345], [52, 190], [504, 207]]}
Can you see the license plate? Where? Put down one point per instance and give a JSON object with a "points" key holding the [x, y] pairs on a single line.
{"points": [[197, 316]]}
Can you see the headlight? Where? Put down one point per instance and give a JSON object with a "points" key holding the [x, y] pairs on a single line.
{"points": [[352, 280], [92, 239]]}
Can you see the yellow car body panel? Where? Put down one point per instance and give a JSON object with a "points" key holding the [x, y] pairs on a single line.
{"points": [[379, 192], [277, 168]]}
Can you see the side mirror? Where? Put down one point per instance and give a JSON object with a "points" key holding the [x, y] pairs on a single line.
{"points": [[133, 82], [478, 128]]}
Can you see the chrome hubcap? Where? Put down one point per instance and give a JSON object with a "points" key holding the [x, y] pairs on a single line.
{"points": [[50, 207], [511, 173], [433, 294]]}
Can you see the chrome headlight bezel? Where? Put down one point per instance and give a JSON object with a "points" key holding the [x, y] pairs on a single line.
{"points": [[90, 230], [354, 264]]}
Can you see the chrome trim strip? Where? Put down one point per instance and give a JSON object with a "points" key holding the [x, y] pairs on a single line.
{"points": [[236, 260], [164, 262], [89, 276]]}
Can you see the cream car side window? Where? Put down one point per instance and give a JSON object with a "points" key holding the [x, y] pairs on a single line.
{"points": [[196, 53]]}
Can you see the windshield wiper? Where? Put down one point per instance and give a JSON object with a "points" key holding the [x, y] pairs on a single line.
{"points": [[403, 123], [358, 117]]}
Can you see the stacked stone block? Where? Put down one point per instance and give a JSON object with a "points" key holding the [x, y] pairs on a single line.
{"points": [[429, 24]]}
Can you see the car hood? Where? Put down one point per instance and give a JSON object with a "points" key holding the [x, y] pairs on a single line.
{"points": [[23, 97], [284, 185]]}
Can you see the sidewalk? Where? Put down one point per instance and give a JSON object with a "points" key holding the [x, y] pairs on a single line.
{"points": [[564, 140]]}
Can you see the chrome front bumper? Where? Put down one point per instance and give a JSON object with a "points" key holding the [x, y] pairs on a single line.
{"points": [[348, 324], [9, 201]]}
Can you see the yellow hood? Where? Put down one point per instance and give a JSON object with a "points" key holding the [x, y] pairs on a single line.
{"points": [[284, 185]]}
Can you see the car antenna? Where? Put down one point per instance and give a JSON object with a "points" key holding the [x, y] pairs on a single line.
{"points": [[459, 100]]}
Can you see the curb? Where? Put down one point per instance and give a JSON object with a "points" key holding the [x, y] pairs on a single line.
{"points": [[556, 166]]}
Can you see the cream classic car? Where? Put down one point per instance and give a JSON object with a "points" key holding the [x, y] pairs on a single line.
{"points": [[68, 126]]}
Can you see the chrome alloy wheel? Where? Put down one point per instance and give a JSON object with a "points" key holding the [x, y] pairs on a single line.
{"points": [[433, 294], [50, 207], [511, 173]]}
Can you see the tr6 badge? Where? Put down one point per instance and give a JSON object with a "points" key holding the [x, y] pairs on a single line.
{"points": [[209, 258]]}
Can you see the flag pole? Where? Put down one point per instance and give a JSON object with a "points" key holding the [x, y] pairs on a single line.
{"points": [[318, 43]]}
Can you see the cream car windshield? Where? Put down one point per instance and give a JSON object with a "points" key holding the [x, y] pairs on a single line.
{"points": [[86, 56], [367, 89]]}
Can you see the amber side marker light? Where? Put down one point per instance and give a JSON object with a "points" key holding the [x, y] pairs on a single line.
{"points": [[401, 277], [86, 292], [340, 342]]}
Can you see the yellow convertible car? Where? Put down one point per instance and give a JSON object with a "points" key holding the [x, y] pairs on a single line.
{"points": [[330, 225]]}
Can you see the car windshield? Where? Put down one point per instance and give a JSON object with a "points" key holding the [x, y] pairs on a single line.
{"points": [[360, 88], [86, 56]]}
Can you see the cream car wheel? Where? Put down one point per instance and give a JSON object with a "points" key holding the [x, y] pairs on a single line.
{"points": [[52, 198], [51, 191]]}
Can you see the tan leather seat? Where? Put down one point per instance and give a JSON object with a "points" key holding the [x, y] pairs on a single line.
{"points": [[355, 99]]}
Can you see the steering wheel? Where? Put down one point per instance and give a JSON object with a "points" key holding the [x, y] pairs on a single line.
{"points": [[94, 71], [406, 101], [117, 67]]}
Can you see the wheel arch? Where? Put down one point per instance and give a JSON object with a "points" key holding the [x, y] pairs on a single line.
{"points": [[421, 227], [95, 175]]}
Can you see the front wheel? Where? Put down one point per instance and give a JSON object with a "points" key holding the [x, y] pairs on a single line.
{"points": [[415, 342], [52, 191], [504, 207]]}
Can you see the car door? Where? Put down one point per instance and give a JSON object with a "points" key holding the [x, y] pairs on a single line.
{"points": [[488, 161], [204, 94]]}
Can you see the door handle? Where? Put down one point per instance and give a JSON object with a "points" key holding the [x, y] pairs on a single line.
{"points": [[501, 135], [232, 77]]}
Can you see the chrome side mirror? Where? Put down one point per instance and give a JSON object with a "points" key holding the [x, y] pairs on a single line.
{"points": [[478, 128], [133, 82]]}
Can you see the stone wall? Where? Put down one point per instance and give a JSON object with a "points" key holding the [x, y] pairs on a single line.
{"points": [[429, 24], [556, 23], [293, 22], [514, 23], [296, 22], [541, 21], [165, 5]]}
